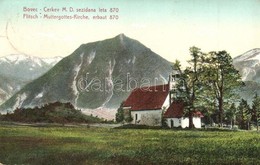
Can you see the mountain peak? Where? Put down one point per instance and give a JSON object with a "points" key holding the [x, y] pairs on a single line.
{"points": [[122, 34], [121, 37], [253, 54]]}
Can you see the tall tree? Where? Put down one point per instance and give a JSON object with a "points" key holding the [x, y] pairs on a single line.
{"points": [[256, 109], [221, 78], [188, 83], [231, 113], [243, 114]]}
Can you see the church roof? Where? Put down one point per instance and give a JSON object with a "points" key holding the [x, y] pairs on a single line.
{"points": [[147, 98], [176, 110]]}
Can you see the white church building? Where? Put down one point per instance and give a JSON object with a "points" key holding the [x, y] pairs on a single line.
{"points": [[149, 105]]}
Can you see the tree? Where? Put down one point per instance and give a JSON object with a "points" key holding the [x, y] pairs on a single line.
{"points": [[123, 115], [188, 83], [221, 78], [211, 82], [231, 113], [120, 114], [256, 109], [243, 114]]}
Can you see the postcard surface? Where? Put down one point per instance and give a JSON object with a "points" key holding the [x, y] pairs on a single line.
{"points": [[71, 71]]}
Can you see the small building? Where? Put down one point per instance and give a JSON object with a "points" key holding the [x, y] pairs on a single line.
{"points": [[151, 105], [174, 116]]}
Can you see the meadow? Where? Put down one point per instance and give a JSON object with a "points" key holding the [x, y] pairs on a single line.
{"points": [[83, 145]]}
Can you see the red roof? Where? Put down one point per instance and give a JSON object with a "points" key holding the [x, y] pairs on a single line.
{"points": [[147, 98], [176, 110], [197, 114]]}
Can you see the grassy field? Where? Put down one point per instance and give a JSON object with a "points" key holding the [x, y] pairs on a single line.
{"points": [[82, 145]]}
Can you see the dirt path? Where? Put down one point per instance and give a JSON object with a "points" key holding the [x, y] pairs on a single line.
{"points": [[100, 125]]}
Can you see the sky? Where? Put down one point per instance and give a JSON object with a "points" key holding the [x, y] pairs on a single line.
{"points": [[167, 27]]}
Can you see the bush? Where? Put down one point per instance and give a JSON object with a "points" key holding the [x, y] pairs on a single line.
{"points": [[51, 113], [120, 115]]}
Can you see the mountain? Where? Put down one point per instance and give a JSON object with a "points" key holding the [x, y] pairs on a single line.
{"points": [[18, 70], [248, 64], [98, 75]]}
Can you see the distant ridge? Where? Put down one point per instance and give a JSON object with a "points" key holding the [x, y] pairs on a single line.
{"points": [[16, 70], [248, 65]]}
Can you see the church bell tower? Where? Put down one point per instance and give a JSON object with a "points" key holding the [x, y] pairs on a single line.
{"points": [[173, 80]]}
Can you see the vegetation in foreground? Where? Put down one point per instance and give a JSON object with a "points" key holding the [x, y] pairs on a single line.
{"points": [[82, 145], [51, 113]]}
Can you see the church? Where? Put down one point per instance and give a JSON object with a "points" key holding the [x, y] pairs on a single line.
{"points": [[151, 105]]}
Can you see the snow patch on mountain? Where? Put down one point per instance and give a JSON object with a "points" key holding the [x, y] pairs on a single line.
{"points": [[134, 58], [14, 58], [246, 72], [91, 57], [131, 60], [37, 61], [18, 58], [121, 36], [52, 61], [40, 95], [74, 83], [10, 87], [19, 101], [110, 83], [3, 91], [253, 54]]}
